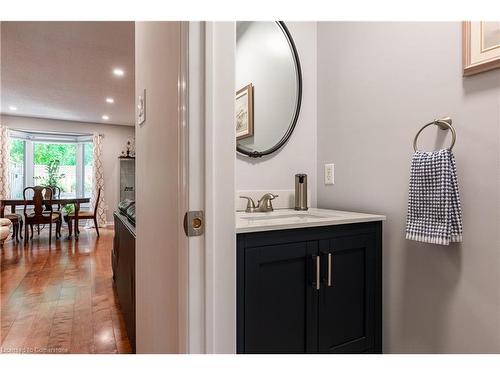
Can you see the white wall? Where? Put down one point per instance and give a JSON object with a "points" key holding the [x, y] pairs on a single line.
{"points": [[277, 171], [377, 84], [115, 140]]}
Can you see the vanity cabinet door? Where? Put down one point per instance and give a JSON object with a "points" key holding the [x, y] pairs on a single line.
{"points": [[280, 301], [346, 305]]}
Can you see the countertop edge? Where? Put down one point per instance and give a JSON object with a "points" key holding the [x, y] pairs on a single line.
{"points": [[268, 228]]}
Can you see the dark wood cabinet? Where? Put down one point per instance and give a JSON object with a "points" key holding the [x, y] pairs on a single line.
{"points": [[281, 308], [123, 263], [346, 304], [279, 301]]}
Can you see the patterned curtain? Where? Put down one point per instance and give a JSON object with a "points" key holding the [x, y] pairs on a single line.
{"points": [[4, 162], [98, 181]]}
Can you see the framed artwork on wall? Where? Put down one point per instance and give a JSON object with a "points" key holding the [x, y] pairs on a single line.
{"points": [[244, 112], [480, 46]]}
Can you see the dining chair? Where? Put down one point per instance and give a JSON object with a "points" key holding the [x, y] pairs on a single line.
{"points": [[39, 216], [56, 194], [85, 215]]}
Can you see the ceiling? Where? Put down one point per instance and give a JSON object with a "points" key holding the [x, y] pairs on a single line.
{"points": [[64, 70]]}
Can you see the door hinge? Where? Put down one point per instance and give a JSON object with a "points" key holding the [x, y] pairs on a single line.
{"points": [[194, 223]]}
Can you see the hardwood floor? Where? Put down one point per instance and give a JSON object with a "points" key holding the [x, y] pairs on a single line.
{"points": [[60, 300]]}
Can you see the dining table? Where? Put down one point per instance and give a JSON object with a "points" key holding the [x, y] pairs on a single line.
{"points": [[15, 202]]}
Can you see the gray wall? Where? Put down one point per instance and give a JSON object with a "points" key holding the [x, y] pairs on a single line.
{"points": [[115, 140], [377, 84], [277, 171]]}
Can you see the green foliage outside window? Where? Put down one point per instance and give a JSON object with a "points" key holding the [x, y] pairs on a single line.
{"points": [[17, 151], [46, 153], [54, 177], [88, 156]]}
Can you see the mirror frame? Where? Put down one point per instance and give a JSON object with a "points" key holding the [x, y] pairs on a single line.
{"points": [[291, 127]]}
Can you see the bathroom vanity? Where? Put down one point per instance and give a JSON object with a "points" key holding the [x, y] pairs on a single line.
{"points": [[309, 282]]}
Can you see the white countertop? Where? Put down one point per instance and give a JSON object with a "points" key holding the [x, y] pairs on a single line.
{"points": [[291, 219]]}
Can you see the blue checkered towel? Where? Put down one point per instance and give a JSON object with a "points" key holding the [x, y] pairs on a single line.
{"points": [[434, 213]]}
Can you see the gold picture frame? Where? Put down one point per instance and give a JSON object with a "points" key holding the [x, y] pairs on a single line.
{"points": [[480, 46], [244, 112]]}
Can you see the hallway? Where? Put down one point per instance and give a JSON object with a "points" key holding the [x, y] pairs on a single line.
{"points": [[60, 300]]}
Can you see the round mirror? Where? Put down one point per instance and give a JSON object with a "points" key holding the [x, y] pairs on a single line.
{"points": [[268, 87]]}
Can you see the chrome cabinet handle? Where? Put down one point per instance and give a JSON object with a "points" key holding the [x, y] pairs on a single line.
{"points": [[329, 276], [317, 272]]}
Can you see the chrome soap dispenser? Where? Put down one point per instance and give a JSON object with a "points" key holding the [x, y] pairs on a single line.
{"points": [[301, 192]]}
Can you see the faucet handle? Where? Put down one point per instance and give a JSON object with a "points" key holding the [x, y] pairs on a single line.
{"points": [[250, 204], [265, 204]]}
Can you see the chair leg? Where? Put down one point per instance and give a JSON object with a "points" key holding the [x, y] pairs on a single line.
{"points": [[31, 227], [60, 226], [17, 231], [26, 234], [50, 233], [96, 226], [21, 229], [70, 227], [14, 226], [38, 226]]}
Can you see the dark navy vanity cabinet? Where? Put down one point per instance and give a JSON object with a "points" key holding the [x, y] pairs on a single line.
{"points": [[310, 290]]}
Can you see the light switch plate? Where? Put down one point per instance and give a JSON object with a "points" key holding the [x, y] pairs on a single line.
{"points": [[141, 108], [329, 174]]}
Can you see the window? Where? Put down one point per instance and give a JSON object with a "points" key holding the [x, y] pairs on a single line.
{"points": [[55, 165], [51, 159], [16, 170], [88, 163]]}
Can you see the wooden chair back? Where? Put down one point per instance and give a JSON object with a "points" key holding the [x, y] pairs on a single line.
{"points": [[96, 203], [40, 193], [56, 193]]}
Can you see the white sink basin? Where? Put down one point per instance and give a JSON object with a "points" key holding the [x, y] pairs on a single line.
{"points": [[288, 219]]}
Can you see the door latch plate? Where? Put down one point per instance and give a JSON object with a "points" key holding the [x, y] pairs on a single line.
{"points": [[194, 223]]}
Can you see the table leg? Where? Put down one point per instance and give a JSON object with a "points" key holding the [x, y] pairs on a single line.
{"points": [[2, 208], [77, 210]]}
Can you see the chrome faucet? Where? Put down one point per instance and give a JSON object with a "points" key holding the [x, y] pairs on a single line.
{"points": [[263, 205]]}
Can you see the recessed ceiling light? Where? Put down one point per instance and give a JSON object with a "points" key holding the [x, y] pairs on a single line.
{"points": [[13, 108], [110, 100], [118, 72], [105, 117]]}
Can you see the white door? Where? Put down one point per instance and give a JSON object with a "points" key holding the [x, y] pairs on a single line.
{"points": [[185, 287], [161, 196]]}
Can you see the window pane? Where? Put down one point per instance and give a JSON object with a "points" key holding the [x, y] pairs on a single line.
{"points": [[16, 168], [55, 165], [88, 174]]}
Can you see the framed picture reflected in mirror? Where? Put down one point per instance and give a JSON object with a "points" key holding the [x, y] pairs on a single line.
{"points": [[244, 112]]}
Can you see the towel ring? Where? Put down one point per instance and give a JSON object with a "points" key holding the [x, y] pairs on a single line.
{"points": [[444, 123]]}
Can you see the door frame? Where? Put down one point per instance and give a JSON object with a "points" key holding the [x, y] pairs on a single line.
{"points": [[210, 178], [193, 125], [220, 211]]}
